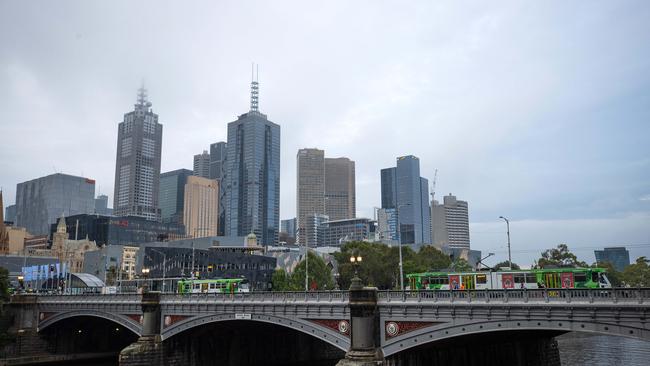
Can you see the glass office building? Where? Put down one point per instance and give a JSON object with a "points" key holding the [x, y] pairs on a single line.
{"points": [[252, 182], [172, 193]]}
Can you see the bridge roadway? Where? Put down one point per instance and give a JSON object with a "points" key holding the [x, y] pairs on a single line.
{"points": [[400, 320]]}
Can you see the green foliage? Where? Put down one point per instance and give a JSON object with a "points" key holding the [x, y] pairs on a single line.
{"points": [[559, 257], [461, 265], [320, 276], [506, 264], [280, 280], [380, 264], [637, 274]]}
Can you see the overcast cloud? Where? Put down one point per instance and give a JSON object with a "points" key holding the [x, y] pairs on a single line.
{"points": [[538, 111]]}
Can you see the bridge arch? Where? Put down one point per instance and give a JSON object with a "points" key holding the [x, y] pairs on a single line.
{"points": [[330, 336], [115, 318], [442, 332]]}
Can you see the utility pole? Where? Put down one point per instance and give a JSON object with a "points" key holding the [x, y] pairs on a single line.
{"points": [[508, 232]]}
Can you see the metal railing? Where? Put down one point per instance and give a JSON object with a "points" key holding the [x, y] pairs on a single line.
{"points": [[568, 295], [260, 297]]}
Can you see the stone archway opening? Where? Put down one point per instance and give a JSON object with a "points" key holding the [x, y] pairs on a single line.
{"points": [[87, 334], [520, 347], [245, 342]]}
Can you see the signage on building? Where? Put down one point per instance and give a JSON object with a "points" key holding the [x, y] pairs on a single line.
{"points": [[243, 316]]}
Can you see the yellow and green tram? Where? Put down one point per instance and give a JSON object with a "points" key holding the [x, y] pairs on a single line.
{"points": [[220, 285], [510, 279]]}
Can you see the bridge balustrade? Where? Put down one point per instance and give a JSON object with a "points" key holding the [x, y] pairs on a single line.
{"points": [[284, 297], [630, 295]]}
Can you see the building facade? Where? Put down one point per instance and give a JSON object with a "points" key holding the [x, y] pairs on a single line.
{"points": [[619, 257], [404, 190], [252, 199], [101, 205], [450, 223], [310, 192], [172, 195], [40, 202], [289, 226], [202, 165], [336, 233], [387, 225], [70, 251], [218, 153], [115, 230], [340, 191], [10, 214], [201, 209], [315, 230], [137, 168]]}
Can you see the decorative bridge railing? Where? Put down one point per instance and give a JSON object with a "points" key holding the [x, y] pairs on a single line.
{"points": [[617, 295]]}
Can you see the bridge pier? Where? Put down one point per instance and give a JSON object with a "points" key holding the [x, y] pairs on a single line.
{"points": [[365, 349], [148, 350], [24, 311]]}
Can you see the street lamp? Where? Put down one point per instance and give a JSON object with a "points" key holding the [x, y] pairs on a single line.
{"points": [[145, 274], [356, 259], [508, 232]]}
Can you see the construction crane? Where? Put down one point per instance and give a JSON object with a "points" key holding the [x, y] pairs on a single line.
{"points": [[433, 185]]}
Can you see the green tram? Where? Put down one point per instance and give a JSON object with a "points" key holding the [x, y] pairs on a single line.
{"points": [[220, 285], [511, 279]]}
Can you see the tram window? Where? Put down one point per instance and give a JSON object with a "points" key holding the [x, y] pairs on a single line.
{"points": [[481, 278], [531, 278], [519, 278], [594, 276], [580, 277]]}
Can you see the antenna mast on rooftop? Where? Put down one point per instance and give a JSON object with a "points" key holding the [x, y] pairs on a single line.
{"points": [[255, 75]]}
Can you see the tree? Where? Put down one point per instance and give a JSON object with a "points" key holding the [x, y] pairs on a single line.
{"points": [[506, 264], [280, 280], [320, 275], [461, 265], [637, 274], [559, 257]]}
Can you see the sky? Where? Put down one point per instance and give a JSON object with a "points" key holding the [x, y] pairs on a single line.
{"points": [[537, 111]]}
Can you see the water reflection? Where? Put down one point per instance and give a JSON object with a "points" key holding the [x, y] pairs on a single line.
{"points": [[601, 350]]}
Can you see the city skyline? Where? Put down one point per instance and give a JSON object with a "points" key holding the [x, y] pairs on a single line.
{"points": [[571, 137]]}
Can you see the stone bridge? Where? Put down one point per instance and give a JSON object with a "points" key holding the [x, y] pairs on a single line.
{"points": [[369, 325]]}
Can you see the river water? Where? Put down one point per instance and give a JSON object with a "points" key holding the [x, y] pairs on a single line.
{"points": [[602, 350], [576, 349]]}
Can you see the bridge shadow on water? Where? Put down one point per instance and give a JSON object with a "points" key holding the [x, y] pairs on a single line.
{"points": [[530, 348], [242, 343]]}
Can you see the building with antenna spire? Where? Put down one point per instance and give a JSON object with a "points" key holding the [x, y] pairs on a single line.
{"points": [[252, 174], [137, 167]]}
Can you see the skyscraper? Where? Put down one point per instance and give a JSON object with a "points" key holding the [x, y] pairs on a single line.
{"points": [[218, 152], [450, 223], [310, 190], [404, 190], [40, 202], [101, 205], [172, 195], [201, 207], [340, 194], [619, 257], [202, 165], [137, 168], [253, 175]]}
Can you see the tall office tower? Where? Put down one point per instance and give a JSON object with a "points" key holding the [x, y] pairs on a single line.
{"points": [[40, 202], [340, 195], [253, 175], [619, 257], [101, 204], [387, 225], [202, 165], [172, 195], [201, 207], [314, 229], [310, 190], [450, 223], [4, 234], [288, 226], [403, 189], [137, 168], [10, 213], [388, 188], [218, 152]]}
